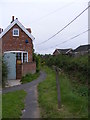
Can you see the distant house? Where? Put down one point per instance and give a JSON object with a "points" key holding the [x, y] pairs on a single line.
{"points": [[17, 49], [82, 50], [63, 51]]}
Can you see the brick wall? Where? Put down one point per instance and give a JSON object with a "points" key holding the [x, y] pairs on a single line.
{"points": [[29, 67], [17, 43]]}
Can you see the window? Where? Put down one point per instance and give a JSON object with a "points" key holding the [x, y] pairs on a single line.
{"points": [[15, 32], [18, 56], [24, 57]]}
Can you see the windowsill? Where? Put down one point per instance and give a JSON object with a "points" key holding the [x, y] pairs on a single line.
{"points": [[15, 35]]}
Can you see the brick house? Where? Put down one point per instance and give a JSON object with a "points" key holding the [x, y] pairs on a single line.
{"points": [[17, 49]]}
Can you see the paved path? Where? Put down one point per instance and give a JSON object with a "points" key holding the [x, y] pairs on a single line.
{"points": [[31, 101]]}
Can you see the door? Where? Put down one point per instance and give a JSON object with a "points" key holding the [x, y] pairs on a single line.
{"points": [[18, 69], [18, 65], [10, 59]]}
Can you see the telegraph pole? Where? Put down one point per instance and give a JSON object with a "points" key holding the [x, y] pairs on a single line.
{"points": [[58, 86]]}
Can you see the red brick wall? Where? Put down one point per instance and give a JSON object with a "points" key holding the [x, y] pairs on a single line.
{"points": [[28, 68], [17, 43]]}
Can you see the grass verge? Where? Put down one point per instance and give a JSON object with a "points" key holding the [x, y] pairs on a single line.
{"points": [[13, 104], [29, 77], [73, 104]]}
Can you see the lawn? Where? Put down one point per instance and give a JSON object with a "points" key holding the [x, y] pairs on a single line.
{"points": [[74, 105], [13, 104], [0, 104]]}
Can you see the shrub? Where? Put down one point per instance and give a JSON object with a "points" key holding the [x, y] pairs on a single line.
{"points": [[36, 58], [76, 67], [29, 77]]}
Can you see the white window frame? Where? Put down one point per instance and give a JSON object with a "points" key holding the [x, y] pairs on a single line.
{"points": [[22, 56], [14, 30]]}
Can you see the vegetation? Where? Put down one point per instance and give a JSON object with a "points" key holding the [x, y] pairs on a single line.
{"points": [[74, 103], [76, 67], [36, 58], [13, 104], [29, 77]]}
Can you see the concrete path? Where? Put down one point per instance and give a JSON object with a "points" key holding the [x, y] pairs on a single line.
{"points": [[11, 83], [31, 101]]}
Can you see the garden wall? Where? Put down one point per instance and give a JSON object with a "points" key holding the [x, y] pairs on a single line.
{"points": [[29, 67]]}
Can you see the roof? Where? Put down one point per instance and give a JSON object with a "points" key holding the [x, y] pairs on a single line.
{"points": [[20, 25], [63, 51], [82, 48]]}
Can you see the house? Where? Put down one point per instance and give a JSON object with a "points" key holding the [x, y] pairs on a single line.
{"points": [[82, 50], [62, 51], [17, 49]]}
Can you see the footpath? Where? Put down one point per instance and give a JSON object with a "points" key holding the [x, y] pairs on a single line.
{"points": [[31, 101]]}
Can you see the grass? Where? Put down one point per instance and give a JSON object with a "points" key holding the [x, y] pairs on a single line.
{"points": [[0, 105], [73, 104], [29, 77], [13, 104]]}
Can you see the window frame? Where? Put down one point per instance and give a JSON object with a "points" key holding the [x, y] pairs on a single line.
{"points": [[24, 57], [14, 30]]}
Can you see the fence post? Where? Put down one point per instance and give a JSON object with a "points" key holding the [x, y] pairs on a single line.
{"points": [[58, 87]]}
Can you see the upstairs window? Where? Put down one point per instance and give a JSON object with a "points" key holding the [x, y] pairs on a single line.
{"points": [[15, 32]]}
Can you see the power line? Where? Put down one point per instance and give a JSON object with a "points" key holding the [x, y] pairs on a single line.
{"points": [[52, 12], [70, 38], [65, 26]]}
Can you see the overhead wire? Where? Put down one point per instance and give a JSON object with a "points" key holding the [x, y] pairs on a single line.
{"points": [[64, 26], [47, 15], [69, 39]]}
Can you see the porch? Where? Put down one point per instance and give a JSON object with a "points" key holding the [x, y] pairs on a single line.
{"points": [[18, 65]]}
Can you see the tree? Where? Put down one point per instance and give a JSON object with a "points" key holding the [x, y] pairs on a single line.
{"points": [[36, 58]]}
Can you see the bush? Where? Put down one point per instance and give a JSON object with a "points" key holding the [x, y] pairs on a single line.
{"points": [[29, 77], [76, 67], [36, 58]]}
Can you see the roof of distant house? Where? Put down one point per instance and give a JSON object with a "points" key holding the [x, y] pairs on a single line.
{"points": [[63, 51], [82, 48]]}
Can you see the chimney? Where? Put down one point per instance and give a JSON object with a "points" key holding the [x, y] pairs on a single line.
{"points": [[1, 30], [12, 19], [29, 29]]}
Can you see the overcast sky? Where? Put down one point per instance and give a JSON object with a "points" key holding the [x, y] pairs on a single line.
{"points": [[47, 17]]}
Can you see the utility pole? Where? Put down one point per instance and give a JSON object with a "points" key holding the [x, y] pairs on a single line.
{"points": [[58, 86]]}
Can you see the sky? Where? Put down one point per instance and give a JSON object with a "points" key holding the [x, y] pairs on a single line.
{"points": [[47, 17]]}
